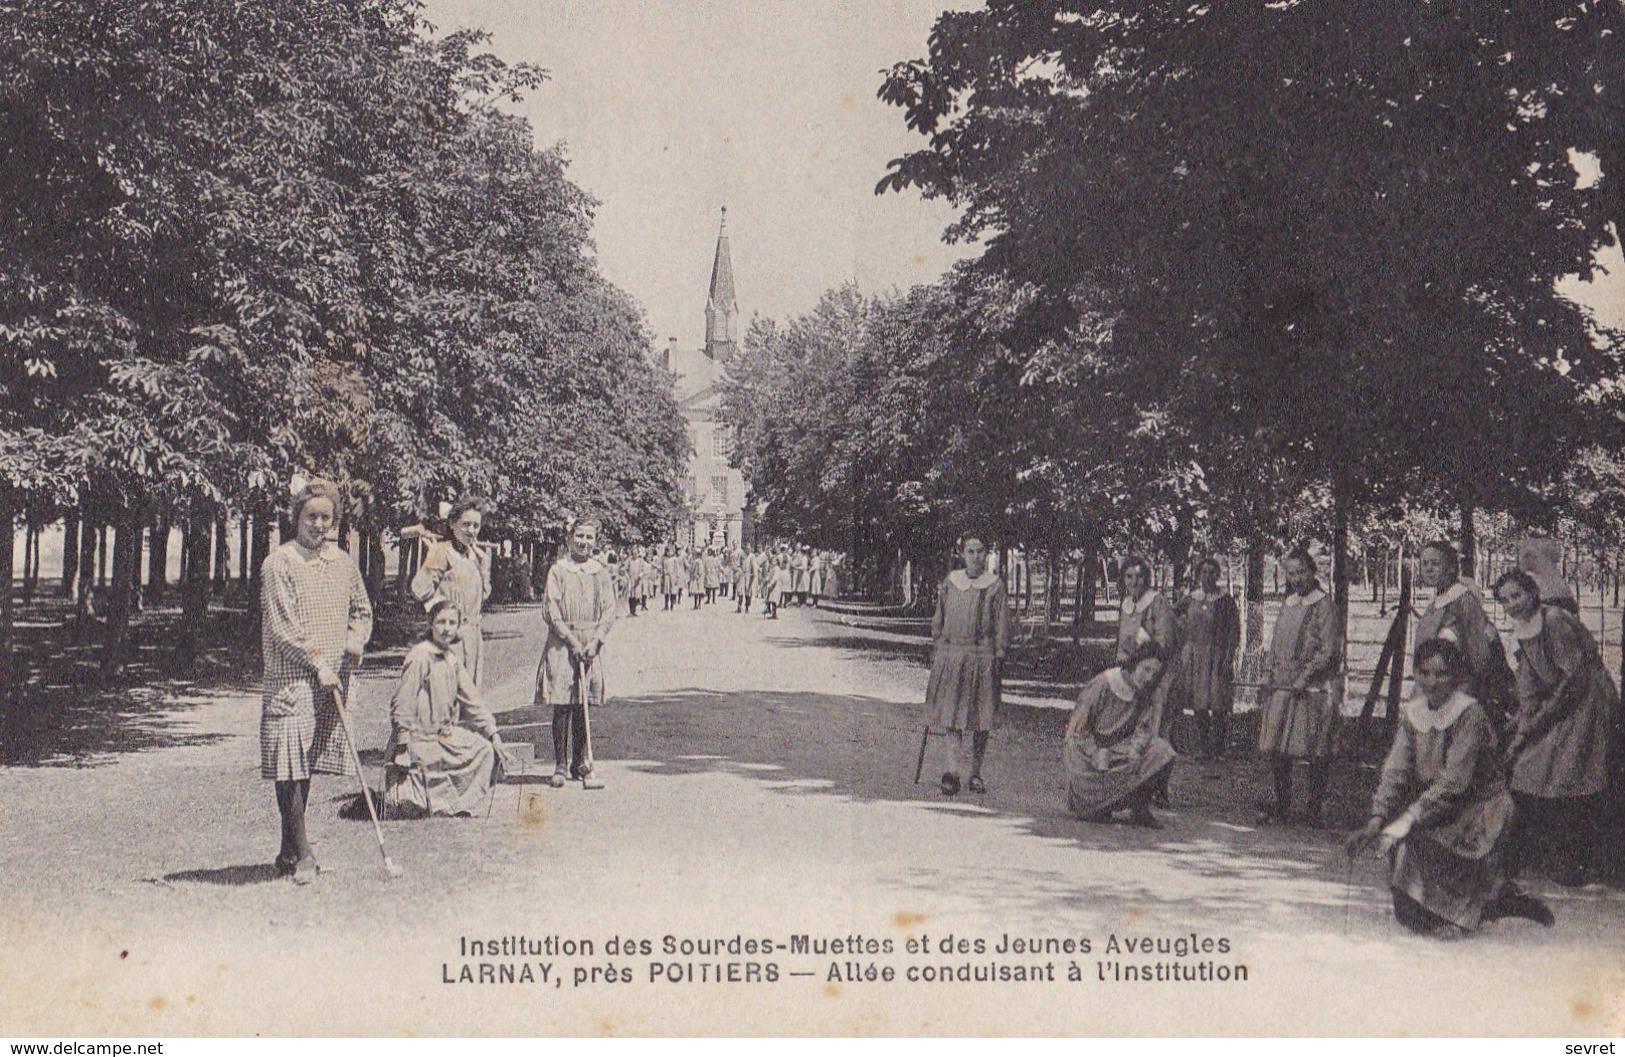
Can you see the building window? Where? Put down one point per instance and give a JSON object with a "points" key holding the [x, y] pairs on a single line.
{"points": [[719, 488]]}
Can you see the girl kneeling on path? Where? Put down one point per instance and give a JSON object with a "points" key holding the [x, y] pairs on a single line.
{"points": [[1442, 810], [970, 632], [444, 748], [315, 622], [1115, 759]]}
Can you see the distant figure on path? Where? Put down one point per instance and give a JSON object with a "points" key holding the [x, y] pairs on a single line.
{"points": [[1115, 760], [444, 748], [711, 565], [315, 623], [970, 634], [458, 570], [580, 611], [798, 575], [1442, 810], [696, 578], [671, 576], [1299, 717], [1566, 736], [1211, 632]]}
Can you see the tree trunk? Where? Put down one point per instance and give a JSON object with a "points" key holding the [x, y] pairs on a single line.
{"points": [[222, 555], [70, 556], [375, 562], [245, 547], [101, 555], [158, 561], [30, 537], [1340, 558], [1253, 612], [1469, 541], [120, 599], [9, 681], [138, 534], [88, 537], [263, 524], [195, 585]]}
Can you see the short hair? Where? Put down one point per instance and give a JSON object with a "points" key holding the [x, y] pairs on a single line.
{"points": [[973, 532], [463, 506], [441, 606], [1455, 661], [1519, 577], [315, 488], [1452, 557], [1210, 560], [586, 519], [1301, 554], [1145, 651], [1130, 562]]}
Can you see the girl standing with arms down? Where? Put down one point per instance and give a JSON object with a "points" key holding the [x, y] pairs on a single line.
{"points": [[458, 570], [1115, 760], [1212, 634], [315, 623], [1299, 716], [970, 632], [1441, 810], [1566, 735]]}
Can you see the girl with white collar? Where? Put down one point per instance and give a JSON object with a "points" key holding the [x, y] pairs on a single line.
{"points": [[1441, 810], [1566, 736], [1300, 714], [1457, 614], [970, 633], [1115, 760], [1145, 618]]}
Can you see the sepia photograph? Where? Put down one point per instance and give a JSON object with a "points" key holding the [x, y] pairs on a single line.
{"points": [[727, 518]]}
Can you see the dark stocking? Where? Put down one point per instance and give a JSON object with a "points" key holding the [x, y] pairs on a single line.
{"points": [[291, 798]]}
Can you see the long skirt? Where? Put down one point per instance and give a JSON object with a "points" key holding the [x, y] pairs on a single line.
{"points": [[1454, 870], [962, 693], [300, 733], [1091, 791], [1300, 725], [450, 774]]}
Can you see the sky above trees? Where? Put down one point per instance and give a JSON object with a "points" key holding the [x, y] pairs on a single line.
{"points": [[671, 110], [668, 110]]}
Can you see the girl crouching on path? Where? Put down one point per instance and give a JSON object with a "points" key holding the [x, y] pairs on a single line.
{"points": [[443, 747]]}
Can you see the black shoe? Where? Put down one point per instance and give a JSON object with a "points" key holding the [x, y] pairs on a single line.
{"points": [[950, 784], [1520, 905], [1142, 817], [976, 785]]}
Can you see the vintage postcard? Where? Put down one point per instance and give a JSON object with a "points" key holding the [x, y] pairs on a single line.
{"points": [[794, 512]]}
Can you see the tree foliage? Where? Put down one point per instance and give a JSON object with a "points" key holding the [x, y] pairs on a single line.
{"points": [[241, 240]]}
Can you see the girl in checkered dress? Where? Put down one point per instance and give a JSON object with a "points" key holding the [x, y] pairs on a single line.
{"points": [[315, 620]]}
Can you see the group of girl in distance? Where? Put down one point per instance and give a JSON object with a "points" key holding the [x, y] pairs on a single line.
{"points": [[1489, 770]]}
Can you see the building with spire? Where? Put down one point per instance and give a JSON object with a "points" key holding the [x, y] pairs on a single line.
{"points": [[716, 489]]}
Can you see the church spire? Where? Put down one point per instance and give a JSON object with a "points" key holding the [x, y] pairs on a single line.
{"points": [[721, 306]]}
